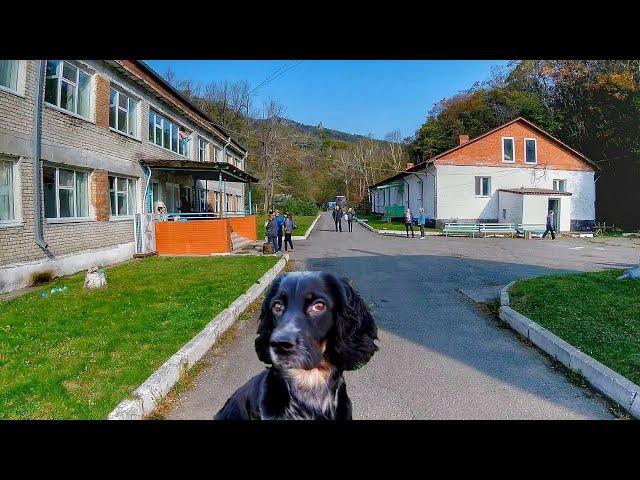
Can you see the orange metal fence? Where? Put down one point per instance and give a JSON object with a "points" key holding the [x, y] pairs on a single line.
{"points": [[202, 237]]}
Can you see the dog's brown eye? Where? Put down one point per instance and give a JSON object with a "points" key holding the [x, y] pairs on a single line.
{"points": [[318, 307], [277, 308]]}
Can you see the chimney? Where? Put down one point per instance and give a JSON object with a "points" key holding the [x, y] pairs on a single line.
{"points": [[410, 165], [463, 139]]}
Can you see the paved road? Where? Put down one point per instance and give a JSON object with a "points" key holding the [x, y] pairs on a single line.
{"points": [[441, 356]]}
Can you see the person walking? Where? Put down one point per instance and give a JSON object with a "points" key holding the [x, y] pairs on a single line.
{"points": [[408, 222], [289, 227], [272, 234], [422, 220], [279, 225], [337, 217], [549, 226], [350, 215]]}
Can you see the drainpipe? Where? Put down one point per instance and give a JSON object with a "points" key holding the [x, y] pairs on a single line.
{"points": [[146, 192], [408, 196], [421, 189], [36, 154], [244, 159], [221, 184]]}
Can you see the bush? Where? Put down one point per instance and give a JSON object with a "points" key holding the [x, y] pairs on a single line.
{"points": [[299, 207]]}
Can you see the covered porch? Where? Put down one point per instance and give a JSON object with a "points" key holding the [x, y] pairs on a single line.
{"points": [[530, 206], [198, 208]]}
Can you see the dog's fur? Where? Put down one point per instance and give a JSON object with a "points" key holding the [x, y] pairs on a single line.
{"points": [[312, 328]]}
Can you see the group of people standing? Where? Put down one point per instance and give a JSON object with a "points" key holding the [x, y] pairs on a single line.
{"points": [[408, 222], [338, 215], [278, 225]]}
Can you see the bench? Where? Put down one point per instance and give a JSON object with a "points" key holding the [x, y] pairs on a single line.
{"points": [[494, 228], [460, 229], [526, 229]]}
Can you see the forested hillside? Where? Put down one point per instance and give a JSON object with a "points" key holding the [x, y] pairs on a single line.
{"points": [[591, 105]]}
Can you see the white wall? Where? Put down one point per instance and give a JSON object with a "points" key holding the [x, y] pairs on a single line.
{"points": [[456, 190], [513, 204], [421, 193]]}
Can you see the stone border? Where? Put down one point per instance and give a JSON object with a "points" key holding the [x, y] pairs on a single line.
{"points": [[308, 232], [148, 395], [613, 385], [395, 232]]}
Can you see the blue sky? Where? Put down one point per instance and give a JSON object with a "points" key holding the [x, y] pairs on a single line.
{"points": [[355, 96]]}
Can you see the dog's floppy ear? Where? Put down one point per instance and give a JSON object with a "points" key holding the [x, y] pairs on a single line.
{"points": [[267, 323], [352, 343]]}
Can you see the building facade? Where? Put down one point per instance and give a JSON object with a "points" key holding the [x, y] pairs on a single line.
{"points": [[99, 120], [511, 174]]}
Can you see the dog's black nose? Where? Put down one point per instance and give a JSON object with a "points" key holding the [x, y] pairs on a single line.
{"points": [[282, 343]]}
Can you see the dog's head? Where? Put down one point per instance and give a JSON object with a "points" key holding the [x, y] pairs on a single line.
{"points": [[309, 318]]}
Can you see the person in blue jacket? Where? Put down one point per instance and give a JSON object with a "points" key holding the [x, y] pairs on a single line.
{"points": [[279, 224], [422, 220]]}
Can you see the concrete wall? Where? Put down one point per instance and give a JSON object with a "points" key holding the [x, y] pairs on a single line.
{"points": [[512, 203], [456, 197]]}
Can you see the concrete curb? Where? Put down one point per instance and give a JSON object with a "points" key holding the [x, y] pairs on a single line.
{"points": [[610, 383], [396, 232], [308, 232], [147, 396]]}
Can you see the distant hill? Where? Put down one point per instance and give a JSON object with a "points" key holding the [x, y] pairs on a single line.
{"points": [[319, 130]]}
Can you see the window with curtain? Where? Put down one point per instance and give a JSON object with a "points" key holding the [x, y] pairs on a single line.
{"points": [[68, 87], [167, 134], [9, 74], [122, 196], [483, 186], [508, 150], [66, 193], [7, 212], [123, 113]]}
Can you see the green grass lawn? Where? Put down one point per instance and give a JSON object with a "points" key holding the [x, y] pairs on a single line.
{"points": [[592, 311], [302, 221], [378, 223], [77, 354]]}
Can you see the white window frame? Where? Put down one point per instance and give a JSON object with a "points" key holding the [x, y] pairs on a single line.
{"points": [[216, 202], [203, 147], [229, 197], [116, 191], [556, 184], [488, 186], [171, 189], [535, 149], [20, 84], [58, 218], [172, 125], [217, 153], [16, 187], [130, 99], [513, 142], [61, 79]]}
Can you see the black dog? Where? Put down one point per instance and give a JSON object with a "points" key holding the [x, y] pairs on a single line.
{"points": [[312, 328]]}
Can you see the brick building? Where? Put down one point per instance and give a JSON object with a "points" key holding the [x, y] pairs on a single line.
{"points": [[100, 122], [514, 173]]}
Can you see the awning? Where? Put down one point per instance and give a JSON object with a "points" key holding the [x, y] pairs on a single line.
{"points": [[201, 170]]}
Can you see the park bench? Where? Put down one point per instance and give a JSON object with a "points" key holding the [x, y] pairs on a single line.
{"points": [[461, 229], [497, 228], [526, 229]]}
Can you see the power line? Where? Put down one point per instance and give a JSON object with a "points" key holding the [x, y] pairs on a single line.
{"points": [[275, 75]]}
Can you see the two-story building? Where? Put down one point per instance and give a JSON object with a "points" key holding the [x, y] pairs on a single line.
{"points": [[514, 173], [114, 140]]}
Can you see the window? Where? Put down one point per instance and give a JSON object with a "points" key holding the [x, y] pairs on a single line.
{"points": [[483, 186], [155, 191], [218, 154], [508, 150], [7, 191], [239, 206], [67, 87], [123, 113], [9, 74], [122, 196], [504, 213], [228, 205], [173, 197], [65, 193], [167, 134], [203, 153], [560, 185], [216, 205], [530, 150]]}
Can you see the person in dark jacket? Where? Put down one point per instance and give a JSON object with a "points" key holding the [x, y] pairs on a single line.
{"points": [[279, 224], [272, 233], [289, 226], [337, 217], [408, 222], [549, 226]]}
